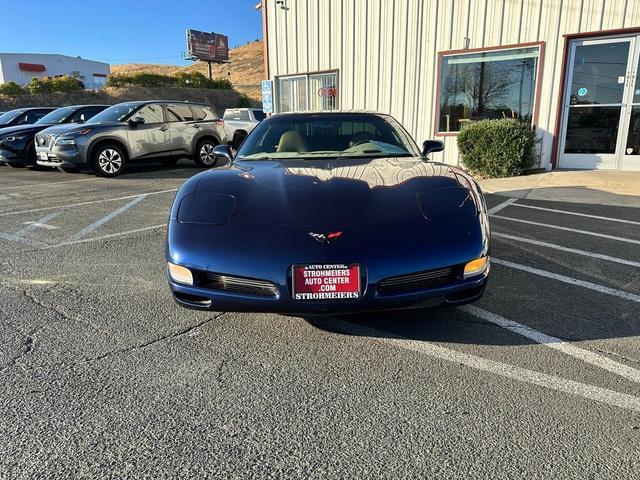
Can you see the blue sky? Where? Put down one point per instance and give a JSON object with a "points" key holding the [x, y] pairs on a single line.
{"points": [[119, 31]]}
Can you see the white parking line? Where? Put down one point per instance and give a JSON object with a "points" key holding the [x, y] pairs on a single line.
{"points": [[502, 205], [567, 348], [46, 184], [519, 374], [567, 229], [98, 223], [597, 217], [42, 223], [566, 249], [91, 202], [570, 280], [104, 237], [26, 241]]}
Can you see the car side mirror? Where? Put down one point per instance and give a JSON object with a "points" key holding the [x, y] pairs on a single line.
{"points": [[432, 146], [135, 121], [224, 151]]}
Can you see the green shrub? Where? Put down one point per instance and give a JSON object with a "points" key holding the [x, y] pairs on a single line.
{"points": [[38, 86], [180, 79], [11, 89], [497, 148], [66, 84], [243, 101]]}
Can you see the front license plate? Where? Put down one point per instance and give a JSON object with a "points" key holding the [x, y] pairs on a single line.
{"points": [[43, 156], [326, 282]]}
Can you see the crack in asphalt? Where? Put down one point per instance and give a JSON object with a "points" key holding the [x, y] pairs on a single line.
{"points": [[163, 338]]}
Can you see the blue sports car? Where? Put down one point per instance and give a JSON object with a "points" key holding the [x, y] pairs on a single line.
{"points": [[328, 213]]}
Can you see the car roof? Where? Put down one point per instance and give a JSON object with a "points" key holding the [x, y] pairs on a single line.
{"points": [[151, 102], [304, 113]]}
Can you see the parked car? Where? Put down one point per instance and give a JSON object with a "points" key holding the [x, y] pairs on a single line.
{"points": [[134, 131], [17, 145], [239, 122], [23, 116], [328, 213]]}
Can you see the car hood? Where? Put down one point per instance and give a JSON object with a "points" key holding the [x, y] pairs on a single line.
{"points": [[330, 192], [18, 129], [76, 127]]}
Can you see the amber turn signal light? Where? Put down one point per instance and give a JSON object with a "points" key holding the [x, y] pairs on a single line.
{"points": [[476, 267], [180, 274]]}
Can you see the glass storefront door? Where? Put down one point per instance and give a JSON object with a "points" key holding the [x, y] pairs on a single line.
{"points": [[601, 128]]}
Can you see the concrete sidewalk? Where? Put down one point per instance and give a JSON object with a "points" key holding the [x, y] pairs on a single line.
{"points": [[598, 187]]}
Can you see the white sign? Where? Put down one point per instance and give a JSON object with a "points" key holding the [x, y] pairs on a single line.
{"points": [[621, 79]]}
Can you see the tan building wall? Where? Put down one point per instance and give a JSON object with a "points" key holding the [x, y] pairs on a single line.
{"points": [[386, 51]]}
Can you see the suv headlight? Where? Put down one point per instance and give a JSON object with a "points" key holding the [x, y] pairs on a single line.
{"points": [[66, 141]]}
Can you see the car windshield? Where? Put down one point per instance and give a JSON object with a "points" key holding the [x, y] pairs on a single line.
{"points": [[327, 135], [57, 116], [116, 113], [10, 115]]}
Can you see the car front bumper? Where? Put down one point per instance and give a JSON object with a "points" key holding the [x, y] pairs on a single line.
{"points": [[65, 157], [459, 292]]}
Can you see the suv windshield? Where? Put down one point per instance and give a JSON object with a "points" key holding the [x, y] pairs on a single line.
{"points": [[10, 115], [57, 116], [116, 113], [327, 135]]}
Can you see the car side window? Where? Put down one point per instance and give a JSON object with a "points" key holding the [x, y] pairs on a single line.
{"points": [[151, 114], [80, 115], [203, 113], [91, 112], [182, 112], [244, 115]]}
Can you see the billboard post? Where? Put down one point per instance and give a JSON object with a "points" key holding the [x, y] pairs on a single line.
{"points": [[209, 47]]}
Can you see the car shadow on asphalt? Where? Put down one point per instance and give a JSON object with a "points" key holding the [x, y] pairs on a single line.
{"points": [[441, 325]]}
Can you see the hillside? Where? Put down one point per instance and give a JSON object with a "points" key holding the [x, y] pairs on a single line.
{"points": [[245, 69]]}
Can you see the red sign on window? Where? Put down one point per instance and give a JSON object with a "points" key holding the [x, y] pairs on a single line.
{"points": [[327, 91]]}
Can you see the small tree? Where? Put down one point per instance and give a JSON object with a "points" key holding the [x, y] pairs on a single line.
{"points": [[66, 84]]}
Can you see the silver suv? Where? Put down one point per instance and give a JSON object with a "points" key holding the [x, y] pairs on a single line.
{"points": [[134, 131]]}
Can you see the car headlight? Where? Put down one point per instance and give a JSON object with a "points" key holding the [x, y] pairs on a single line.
{"points": [[180, 274], [66, 141], [476, 267]]}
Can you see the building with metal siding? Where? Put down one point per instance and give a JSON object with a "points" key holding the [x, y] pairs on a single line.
{"points": [[22, 67], [394, 56]]}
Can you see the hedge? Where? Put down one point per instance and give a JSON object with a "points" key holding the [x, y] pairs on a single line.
{"points": [[497, 148], [12, 89], [181, 79]]}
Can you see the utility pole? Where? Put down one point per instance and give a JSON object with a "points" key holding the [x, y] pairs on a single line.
{"points": [[210, 72]]}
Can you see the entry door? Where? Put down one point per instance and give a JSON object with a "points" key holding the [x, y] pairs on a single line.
{"points": [[598, 109], [631, 142]]}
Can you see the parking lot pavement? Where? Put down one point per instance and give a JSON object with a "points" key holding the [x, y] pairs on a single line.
{"points": [[104, 376]]}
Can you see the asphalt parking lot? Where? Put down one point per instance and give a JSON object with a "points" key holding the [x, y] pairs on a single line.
{"points": [[104, 376]]}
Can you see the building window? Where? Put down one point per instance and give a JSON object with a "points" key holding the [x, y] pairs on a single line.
{"points": [[314, 91], [487, 85], [99, 81]]}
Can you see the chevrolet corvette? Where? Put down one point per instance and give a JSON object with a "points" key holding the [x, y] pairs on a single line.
{"points": [[328, 213]]}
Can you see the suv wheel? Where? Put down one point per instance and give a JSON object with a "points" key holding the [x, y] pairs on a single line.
{"points": [[204, 156], [108, 160]]}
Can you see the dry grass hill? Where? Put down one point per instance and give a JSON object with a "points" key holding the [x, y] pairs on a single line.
{"points": [[245, 70]]}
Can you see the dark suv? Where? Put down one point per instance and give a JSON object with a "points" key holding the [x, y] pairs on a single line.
{"points": [[134, 131], [17, 142], [23, 116]]}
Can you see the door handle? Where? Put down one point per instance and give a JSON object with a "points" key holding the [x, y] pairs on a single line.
{"points": [[196, 125], [163, 128]]}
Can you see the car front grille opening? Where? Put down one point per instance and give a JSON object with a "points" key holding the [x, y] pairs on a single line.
{"points": [[228, 283], [417, 281]]}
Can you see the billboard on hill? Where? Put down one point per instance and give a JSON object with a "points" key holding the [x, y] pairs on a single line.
{"points": [[207, 46]]}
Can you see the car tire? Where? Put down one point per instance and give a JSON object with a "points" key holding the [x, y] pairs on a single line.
{"points": [[16, 165], [108, 160], [238, 138], [203, 156]]}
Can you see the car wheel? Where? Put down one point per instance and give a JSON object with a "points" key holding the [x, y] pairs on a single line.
{"points": [[108, 160], [238, 138], [16, 165], [204, 156]]}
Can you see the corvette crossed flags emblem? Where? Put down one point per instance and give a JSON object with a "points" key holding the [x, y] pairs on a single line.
{"points": [[325, 237]]}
